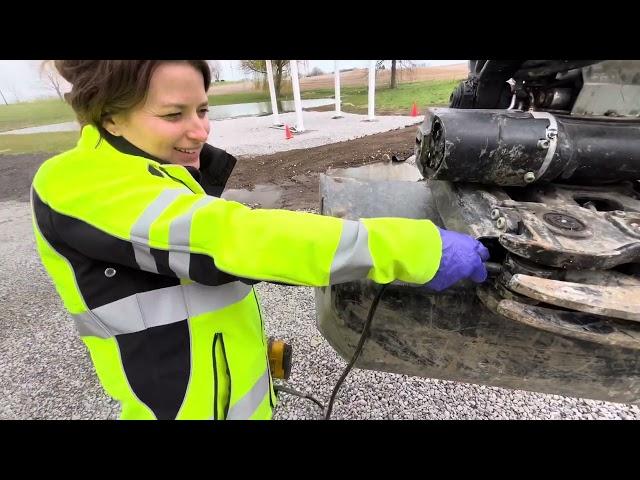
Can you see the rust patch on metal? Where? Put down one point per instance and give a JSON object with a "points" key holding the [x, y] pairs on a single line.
{"points": [[611, 301]]}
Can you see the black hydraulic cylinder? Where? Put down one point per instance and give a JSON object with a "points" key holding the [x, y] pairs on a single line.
{"points": [[516, 148]]}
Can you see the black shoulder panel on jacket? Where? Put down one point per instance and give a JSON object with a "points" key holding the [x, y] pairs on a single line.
{"points": [[91, 252], [216, 166]]}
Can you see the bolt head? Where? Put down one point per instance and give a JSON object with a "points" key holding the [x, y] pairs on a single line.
{"points": [[529, 177], [495, 213], [501, 223], [619, 213]]}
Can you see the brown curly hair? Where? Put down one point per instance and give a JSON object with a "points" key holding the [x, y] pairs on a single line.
{"points": [[107, 87]]}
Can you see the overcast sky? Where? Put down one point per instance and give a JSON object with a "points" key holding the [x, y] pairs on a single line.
{"points": [[20, 79]]}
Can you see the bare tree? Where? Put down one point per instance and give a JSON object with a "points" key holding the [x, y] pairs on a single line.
{"points": [[402, 64], [216, 69], [259, 67], [5, 100], [52, 78]]}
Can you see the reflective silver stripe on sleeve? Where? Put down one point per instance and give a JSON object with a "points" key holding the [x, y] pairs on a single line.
{"points": [[158, 307], [180, 238], [144, 259], [87, 326], [247, 405], [352, 260], [140, 229]]}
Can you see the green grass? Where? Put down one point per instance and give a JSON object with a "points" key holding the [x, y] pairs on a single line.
{"points": [[241, 97], [33, 114], [430, 93], [53, 142]]}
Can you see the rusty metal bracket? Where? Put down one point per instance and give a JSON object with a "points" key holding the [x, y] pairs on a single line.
{"points": [[563, 226], [573, 227], [574, 325], [582, 326], [618, 301]]}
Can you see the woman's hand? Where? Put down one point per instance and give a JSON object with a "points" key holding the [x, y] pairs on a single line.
{"points": [[462, 257]]}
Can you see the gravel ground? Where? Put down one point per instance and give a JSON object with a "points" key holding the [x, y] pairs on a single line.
{"points": [[46, 372], [253, 135]]}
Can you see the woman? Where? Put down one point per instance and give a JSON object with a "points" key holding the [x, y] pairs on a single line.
{"points": [[157, 270]]}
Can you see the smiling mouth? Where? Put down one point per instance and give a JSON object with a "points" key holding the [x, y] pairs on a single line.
{"points": [[190, 151]]}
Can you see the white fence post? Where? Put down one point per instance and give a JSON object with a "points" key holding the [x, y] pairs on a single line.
{"points": [[272, 93], [372, 89], [336, 75], [296, 95]]}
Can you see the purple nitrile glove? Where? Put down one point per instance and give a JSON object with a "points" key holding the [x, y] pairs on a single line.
{"points": [[462, 257]]}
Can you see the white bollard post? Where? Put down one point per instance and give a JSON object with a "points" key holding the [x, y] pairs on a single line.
{"points": [[272, 93], [336, 75], [372, 89], [296, 95]]}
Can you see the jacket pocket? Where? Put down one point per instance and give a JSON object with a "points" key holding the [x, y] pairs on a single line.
{"points": [[221, 378]]}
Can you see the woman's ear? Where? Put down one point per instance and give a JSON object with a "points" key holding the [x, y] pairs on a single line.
{"points": [[111, 125]]}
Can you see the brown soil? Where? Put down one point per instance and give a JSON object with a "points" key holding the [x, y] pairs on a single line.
{"points": [[16, 174], [295, 171]]}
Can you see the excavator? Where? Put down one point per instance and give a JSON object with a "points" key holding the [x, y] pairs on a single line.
{"points": [[540, 161]]}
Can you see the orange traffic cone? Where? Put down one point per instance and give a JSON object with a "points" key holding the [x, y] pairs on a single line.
{"points": [[414, 110], [287, 133]]}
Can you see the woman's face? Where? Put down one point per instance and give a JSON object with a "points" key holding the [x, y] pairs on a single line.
{"points": [[172, 123]]}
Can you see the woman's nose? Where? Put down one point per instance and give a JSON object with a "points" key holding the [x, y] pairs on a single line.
{"points": [[199, 131]]}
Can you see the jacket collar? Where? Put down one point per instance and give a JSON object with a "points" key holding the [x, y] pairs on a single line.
{"points": [[124, 146], [216, 165]]}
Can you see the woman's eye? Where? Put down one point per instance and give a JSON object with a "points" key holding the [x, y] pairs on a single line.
{"points": [[172, 116], [203, 112]]}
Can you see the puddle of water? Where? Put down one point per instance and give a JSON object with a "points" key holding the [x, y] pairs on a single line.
{"points": [[380, 171], [267, 196], [220, 112]]}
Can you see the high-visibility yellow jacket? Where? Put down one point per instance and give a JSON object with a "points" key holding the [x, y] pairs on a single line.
{"points": [[157, 272]]}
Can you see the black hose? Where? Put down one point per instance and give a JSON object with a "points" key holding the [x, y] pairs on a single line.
{"points": [[363, 338], [291, 391]]}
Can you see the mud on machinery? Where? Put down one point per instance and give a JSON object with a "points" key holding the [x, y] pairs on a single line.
{"points": [[539, 160]]}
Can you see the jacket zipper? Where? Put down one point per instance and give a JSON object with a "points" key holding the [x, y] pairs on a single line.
{"points": [[215, 377], [226, 364]]}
